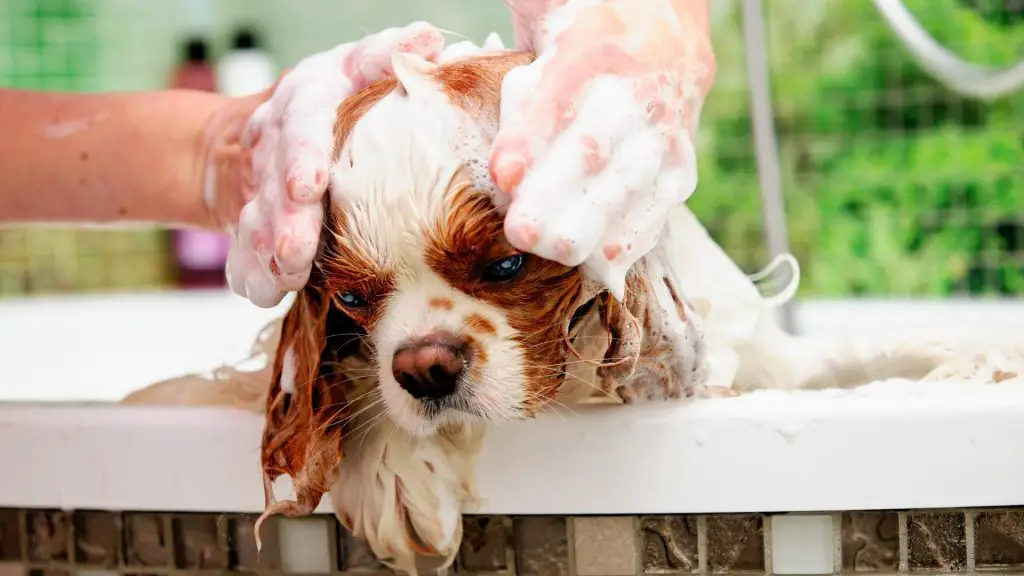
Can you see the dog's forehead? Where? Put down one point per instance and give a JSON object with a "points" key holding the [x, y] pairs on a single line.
{"points": [[391, 180]]}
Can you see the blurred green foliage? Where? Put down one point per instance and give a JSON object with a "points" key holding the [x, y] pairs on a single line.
{"points": [[893, 184]]}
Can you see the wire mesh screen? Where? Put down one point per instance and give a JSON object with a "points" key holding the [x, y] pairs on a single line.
{"points": [[894, 186]]}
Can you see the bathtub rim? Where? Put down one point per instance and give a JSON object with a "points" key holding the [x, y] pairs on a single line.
{"points": [[946, 451]]}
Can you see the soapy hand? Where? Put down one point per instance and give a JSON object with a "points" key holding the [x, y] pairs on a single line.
{"points": [[596, 136], [286, 149]]}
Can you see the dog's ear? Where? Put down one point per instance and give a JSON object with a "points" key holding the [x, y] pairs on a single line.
{"points": [[307, 403], [656, 347]]}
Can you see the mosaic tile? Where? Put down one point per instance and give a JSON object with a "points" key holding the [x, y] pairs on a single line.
{"points": [[485, 541], [242, 544], [802, 543], [200, 542], [354, 553], [669, 543], [146, 541], [542, 546], [48, 535], [605, 546], [871, 541], [306, 545], [999, 539], [97, 538], [10, 536], [937, 540], [735, 543]]}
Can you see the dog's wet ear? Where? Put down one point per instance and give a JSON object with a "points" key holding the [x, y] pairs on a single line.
{"points": [[656, 345], [307, 401], [412, 73]]}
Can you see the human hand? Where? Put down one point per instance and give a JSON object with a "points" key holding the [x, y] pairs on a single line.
{"points": [[596, 136], [269, 157]]}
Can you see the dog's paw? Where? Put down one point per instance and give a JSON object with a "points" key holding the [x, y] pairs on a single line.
{"points": [[403, 495]]}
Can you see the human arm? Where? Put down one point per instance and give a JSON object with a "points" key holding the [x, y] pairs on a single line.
{"points": [[105, 158]]}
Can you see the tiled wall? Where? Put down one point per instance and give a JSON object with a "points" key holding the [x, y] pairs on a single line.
{"points": [[37, 542]]}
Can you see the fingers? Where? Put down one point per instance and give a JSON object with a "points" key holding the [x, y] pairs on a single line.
{"points": [[566, 200], [291, 141], [369, 59]]}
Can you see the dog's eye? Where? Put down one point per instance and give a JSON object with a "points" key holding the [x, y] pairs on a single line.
{"points": [[350, 300], [504, 269]]}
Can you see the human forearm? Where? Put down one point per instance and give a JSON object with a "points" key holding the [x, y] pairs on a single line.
{"points": [[528, 14], [104, 158]]}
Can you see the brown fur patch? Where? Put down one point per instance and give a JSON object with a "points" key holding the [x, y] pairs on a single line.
{"points": [[481, 325], [479, 352], [349, 268], [441, 303], [475, 84]]}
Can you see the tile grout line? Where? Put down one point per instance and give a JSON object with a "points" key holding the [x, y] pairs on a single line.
{"points": [[638, 546], [510, 545], [570, 540], [702, 544], [71, 540], [969, 539], [167, 520], [23, 536], [904, 543], [837, 543]]}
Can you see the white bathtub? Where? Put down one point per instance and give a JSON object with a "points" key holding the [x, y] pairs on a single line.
{"points": [[898, 448]]}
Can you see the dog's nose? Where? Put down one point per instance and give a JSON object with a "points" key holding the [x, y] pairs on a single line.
{"points": [[430, 367]]}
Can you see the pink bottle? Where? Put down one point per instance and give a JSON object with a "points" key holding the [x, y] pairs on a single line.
{"points": [[199, 255]]}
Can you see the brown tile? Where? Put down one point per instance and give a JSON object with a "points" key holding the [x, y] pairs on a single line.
{"points": [[354, 553], [871, 541], [669, 543], [200, 542], [146, 542], [97, 538], [242, 544], [604, 546], [937, 540], [11, 569], [542, 546], [736, 543], [999, 539], [10, 536], [48, 535], [485, 541]]}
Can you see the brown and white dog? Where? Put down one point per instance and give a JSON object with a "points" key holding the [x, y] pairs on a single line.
{"points": [[420, 322]]}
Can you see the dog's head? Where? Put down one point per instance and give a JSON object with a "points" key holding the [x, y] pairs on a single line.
{"points": [[414, 261], [416, 287]]}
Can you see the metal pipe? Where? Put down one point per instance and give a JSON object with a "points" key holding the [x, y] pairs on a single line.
{"points": [[765, 145]]}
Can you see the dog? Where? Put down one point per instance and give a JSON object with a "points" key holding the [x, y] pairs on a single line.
{"points": [[420, 323]]}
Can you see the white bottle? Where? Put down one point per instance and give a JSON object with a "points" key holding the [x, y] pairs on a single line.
{"points": [[247, 68]]}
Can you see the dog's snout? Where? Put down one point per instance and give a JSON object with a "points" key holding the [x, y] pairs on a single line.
{"points": [[429, 368]]}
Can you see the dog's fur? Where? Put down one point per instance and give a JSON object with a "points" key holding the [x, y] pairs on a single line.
{"points": [[410, 221]]}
